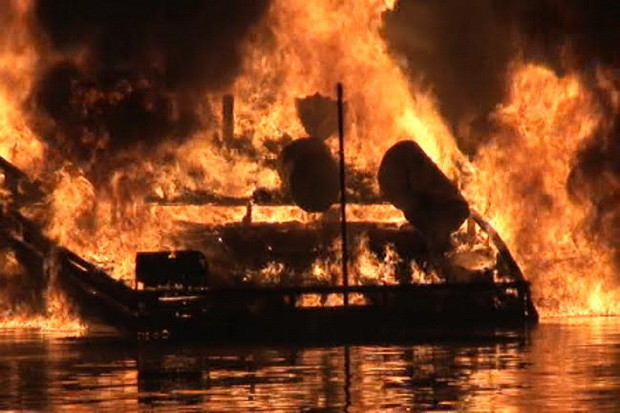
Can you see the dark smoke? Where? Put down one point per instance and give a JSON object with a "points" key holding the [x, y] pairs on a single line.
{"points": [[460, 48], [148, 65]]}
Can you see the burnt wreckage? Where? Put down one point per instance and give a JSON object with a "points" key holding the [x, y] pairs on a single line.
{"points": [[441, 278]]}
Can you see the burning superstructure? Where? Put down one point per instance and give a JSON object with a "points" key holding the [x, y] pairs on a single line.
{"points": [[106, 134]]}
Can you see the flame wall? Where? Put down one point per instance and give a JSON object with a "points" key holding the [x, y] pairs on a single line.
{"points": [[109, 103]]}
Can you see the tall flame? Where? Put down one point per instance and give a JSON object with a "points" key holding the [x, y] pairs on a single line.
{"points": [[522, 186], [318, 43], [18, 60]]}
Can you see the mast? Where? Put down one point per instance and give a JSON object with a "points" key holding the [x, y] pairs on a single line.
{"points": [[343, 196]]}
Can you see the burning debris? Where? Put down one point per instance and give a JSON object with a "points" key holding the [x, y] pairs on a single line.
{"points": [[179, 294]]}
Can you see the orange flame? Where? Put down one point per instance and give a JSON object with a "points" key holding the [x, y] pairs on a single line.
{"points": [[521, 185], [18, 58], [318, 43], [518, 180]]}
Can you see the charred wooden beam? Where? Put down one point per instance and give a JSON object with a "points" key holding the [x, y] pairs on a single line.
{"points": [[504, 253], [23, 190], [228, 117]]}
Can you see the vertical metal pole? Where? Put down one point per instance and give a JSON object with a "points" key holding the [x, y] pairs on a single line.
{"points": [[343, 196], [347, 378]]}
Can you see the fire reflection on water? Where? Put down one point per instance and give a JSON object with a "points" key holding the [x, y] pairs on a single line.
{"points": [[572, 364], [560, 366]]}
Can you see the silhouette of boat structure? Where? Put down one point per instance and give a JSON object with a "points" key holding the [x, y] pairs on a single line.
{"points": [[176, 297], [182, 294]]}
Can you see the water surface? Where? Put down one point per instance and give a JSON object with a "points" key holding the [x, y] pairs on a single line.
{"points": [[560, 365]]}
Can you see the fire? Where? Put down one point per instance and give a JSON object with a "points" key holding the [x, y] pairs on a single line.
{"points": [[101, 228], [522, 187], [367, 267], [303, 47], [57, 319], [307, 53], [20, 302], [380, 113], [318, 43], [18, 143]]}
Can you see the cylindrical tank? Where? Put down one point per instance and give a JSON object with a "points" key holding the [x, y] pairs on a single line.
{"points": [[309, 174], [412, 182]]}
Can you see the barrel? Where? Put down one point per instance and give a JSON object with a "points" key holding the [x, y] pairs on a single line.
{"points": [[412, 182], [309, 174]]}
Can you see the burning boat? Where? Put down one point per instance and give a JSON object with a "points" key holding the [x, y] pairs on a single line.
{"points": [[265, 281], [134, 154]]}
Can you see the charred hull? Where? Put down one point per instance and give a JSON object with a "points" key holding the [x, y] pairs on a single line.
{"points": [[394, 312], [271, 313], [276, 313]]}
